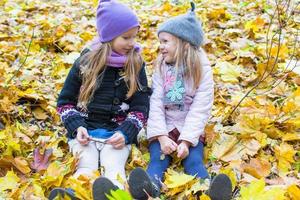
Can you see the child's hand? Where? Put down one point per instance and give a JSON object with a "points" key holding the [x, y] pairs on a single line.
{"points": [[167, 145], [117, 140], [82, 135], [183, 149]]}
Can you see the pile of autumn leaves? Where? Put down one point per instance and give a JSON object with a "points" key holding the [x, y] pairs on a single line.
{"points": [[257, 145]]}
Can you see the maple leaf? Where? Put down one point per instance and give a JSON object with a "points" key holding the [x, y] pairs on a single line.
{"points": [[9, 182], [255, 25], [223, 145], [257, 168], [33, 190], [174, 179], [293, 192], [19, 163], [39, 113], [178, 182], [285, 156], [136, 160], [229, 72], [80, 185], [54, 174], [257, 191], [41, 161]]}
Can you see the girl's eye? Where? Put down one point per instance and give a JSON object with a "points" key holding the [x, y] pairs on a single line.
{"points": [[126, 38]]}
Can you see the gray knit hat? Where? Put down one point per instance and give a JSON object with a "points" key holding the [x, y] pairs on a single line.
{"points": [[186, 27]]}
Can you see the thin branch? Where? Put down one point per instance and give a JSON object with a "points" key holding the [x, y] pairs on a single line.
{"points": [[22, 64], [278, 82], [286, 71], [268, 53], [58, 47], [268, 31]]}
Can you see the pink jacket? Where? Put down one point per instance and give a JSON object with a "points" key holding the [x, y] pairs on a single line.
{"points": [[192, 120]]}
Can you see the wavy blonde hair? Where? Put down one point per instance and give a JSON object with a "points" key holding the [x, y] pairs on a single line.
{"points": [[93, 66], [188, 56]]}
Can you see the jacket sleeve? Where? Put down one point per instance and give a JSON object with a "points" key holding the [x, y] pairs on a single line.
{"points": [[138, 110], [200, 109], [157, 121], [67, 101]]}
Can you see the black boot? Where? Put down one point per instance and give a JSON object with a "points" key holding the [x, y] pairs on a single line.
{"points": [[140, 185], [220, 188], [62, 193], [101, 187]]}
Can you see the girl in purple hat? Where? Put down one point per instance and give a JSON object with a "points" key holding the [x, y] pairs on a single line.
{"points": [[104, 102]]}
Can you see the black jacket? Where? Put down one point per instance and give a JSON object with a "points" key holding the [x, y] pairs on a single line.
{"points": [[104, 108]]}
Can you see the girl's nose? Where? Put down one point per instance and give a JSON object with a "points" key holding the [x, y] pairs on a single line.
{"points": [[161, 46], [131, 43]]}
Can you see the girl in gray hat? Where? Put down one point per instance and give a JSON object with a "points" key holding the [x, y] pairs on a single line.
{"points": [[180, 105]]}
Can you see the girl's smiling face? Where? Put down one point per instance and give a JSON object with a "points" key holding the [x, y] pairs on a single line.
{"points": [[168, 45], [125, 42]]}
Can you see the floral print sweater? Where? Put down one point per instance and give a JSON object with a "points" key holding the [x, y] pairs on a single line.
{"points": [[191, 120]]}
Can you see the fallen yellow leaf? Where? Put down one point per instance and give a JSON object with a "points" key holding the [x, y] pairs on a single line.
{"points": [[22, 165], [257, 191], [257, 168], [39, 113], [9, 182], [285, 156], [229, 72], [174, 179], [204, 197], [291, 137], [223, 145], [293, 192]]}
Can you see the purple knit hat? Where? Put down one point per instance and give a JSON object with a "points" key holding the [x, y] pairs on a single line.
{"points": [[113, 19]]}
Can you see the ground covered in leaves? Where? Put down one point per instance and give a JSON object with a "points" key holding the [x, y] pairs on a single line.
{"points": [[253, 134]]}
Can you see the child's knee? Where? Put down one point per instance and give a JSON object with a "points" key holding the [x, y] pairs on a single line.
{"points": [[77, 148]]}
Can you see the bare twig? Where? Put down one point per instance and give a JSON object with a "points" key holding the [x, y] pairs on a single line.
{"points": [[22, 64], [268, 72], [285, 71], [58, 47]]}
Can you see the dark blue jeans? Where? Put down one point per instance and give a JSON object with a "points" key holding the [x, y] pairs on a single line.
{"points": [[193, 163]]}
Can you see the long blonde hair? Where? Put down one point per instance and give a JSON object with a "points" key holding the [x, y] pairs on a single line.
{"points": [[93, 66], [188, 56]]}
